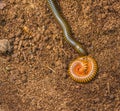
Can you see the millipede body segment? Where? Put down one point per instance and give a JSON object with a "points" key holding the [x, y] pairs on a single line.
{"points": [[84, 68]]}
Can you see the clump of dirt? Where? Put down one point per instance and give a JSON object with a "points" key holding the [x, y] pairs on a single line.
{"points": [[34, 77]]}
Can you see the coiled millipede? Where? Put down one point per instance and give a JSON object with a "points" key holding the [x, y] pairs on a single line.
{"points": [[84, 68]]}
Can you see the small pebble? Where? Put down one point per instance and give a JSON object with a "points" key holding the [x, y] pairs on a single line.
{"points": [[2, 5], [4, 46]]}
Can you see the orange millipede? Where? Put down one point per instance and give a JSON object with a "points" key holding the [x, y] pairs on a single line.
{"points": [[84, 68]]}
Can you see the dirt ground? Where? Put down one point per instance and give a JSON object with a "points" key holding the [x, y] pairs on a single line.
{"points": [[34, 76]]}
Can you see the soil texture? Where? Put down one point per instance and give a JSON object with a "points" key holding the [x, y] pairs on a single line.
{"points": [[33, 76]]}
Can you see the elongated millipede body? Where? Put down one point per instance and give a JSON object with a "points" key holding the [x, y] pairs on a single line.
{"points": [[84, 68]]}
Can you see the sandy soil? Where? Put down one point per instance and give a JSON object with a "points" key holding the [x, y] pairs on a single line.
{"points": [[34, 76]]}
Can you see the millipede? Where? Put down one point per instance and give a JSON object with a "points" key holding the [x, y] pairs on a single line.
{"points": [[84, 68]]}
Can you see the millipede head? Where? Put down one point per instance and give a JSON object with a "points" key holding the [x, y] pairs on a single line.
{"points": [[83, 69]]}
